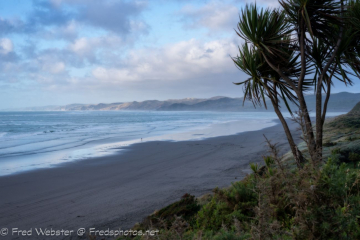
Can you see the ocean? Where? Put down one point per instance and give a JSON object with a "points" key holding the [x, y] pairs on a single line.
{"points": [[33, 140]]}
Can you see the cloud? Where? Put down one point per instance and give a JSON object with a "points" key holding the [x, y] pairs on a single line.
{"points": [[51, 67], [102, 65], [77, 53], [6, 46], [69, 32], [64, 18], [191, 60], [265, 3], [10, 25], [95, 50], [55, 68], [45, 13], [80, 46], [116, 16], [183, 60], [121, 17], [182, 69], [8, 56], [215, 16]]}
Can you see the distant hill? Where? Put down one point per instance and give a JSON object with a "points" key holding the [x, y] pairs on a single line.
{"points": [[216, 104], [339, 102]]}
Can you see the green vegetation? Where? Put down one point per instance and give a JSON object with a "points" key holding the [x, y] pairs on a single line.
{"points": [[350, 120], [342, 136], [187, 207], [279, 204], [277, 201]]}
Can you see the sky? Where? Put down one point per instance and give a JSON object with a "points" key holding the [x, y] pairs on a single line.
{"points": [[57, 52]]}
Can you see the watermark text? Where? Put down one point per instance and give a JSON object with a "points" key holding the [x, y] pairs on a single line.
{"points": [[51, 232]]}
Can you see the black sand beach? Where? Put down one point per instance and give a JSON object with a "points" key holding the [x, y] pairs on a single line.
{"points": [[119, 190]]}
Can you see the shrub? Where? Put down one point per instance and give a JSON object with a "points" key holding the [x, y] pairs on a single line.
{"points": [[276, 202], [306, 203], [187, 208], [354, 157], [237, 202]]}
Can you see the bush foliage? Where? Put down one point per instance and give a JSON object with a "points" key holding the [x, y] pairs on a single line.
{"points": [[275, 202]]}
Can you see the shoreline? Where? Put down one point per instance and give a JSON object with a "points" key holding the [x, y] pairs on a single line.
{"points": [[82, 151], [51, 155], [120, 190]]}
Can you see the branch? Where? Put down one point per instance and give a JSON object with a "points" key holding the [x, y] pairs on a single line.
{"points": [[327, 96], [302, 51], [288, 80], [336, 48], [319, 119]]}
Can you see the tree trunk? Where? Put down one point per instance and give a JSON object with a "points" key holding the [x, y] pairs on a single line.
{"points": [[319, 121], [295, 151], [326, 99], [319, 125], [308, 126]]}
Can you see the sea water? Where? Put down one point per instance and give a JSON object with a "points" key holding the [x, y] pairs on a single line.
{"points": [[32, 140]]}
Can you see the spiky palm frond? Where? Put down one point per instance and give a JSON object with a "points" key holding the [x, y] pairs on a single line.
{"points": [[338, 70], [265, 29], [268, 35], [346, 59], [353, 15], [351, 55], [319, 17], [252, 64], [263, 80], [320, 48], [269, 32]]}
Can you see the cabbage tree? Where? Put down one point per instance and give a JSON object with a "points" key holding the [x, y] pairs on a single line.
{"points": [[305, 45]]}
